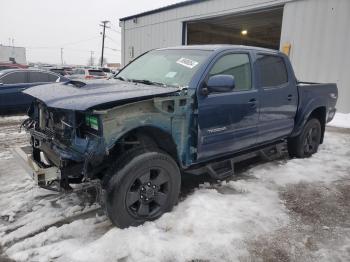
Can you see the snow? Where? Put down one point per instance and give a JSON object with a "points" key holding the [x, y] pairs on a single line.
{"points": [[340, 120], [8, 119], [215, 222]]}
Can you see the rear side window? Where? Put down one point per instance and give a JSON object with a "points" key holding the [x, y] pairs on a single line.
{"points": [[58, 71], [273, 71], [52, 77], [238, 66], [79, 72], [37, 77], [14, 78]]}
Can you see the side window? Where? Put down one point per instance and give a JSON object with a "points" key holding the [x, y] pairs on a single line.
{"points": [[52, 77], [37, 77], [78, 72], [273, 71], [238, 66], [14, 78]]}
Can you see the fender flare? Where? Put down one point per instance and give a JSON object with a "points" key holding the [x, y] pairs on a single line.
{"points": [[304, 114]]}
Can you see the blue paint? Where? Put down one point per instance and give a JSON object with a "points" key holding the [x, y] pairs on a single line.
{"points": [[12, 97], [209, 125]]}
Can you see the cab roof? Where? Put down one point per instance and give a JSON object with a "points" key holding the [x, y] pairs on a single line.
{"points": [[221, 47]]}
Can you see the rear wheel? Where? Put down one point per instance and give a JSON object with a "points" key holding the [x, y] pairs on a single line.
{"points": [[307, 143], [142, 188]]}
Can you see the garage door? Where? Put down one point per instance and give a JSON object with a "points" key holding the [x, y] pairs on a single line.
{"points": [[259, 28]]}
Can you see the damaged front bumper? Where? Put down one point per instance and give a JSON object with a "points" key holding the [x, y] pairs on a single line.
{"points": [[43, 175], [49, 177]]}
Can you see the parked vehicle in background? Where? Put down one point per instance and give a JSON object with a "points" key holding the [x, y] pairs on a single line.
{"points": [[107, 71], [14, 81], [188, 109], [62, 71], [11, 66], [82, 73]]}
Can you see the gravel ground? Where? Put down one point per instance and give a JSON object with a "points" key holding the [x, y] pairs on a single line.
{"points": [[283, 210]]}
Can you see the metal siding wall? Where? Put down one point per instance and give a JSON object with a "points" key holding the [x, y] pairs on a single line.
{"points": [[19, 53], [320, 36], [165, 28]]}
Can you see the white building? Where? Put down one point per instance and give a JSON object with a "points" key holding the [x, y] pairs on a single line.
{"points": [[13, 53], [315, 33]]}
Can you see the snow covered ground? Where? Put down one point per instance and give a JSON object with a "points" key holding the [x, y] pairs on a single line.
{"points": [[283, 210], [341, 120]]}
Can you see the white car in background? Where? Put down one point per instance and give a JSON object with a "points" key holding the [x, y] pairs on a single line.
{"points": [[107, 71], [82, 73]]}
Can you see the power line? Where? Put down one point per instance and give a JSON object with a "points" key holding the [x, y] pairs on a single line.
{"points": [[69, 49], [116, 31], [65, 44], [110, 38], [80, 41], [113, 49]]}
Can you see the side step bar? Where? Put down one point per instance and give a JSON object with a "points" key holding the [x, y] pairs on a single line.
{"points": [[223, 169]]}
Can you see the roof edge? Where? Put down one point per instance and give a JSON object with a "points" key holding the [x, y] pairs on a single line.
{"points": [[165, 8]]}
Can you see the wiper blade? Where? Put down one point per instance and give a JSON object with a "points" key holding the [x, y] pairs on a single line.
{"points": [[121, 78], [147, 82]]}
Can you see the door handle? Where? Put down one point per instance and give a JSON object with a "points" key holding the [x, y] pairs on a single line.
{"points": [[290, 97], [252, 102]]}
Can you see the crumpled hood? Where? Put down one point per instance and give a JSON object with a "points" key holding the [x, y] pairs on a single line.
{"points": [[94, 93]]}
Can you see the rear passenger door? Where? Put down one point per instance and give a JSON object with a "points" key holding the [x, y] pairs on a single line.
{"points": [[228, 121], [278, 97], [37, 78]]}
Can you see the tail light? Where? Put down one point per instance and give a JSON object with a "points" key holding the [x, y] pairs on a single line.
{"points": [[89, 77]]}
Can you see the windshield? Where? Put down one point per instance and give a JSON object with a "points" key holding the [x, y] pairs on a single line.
{"points": [[167, 67]]}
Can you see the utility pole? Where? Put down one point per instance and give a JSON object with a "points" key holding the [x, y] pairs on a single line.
{"points": [[104, 25], [91, 58], [61, 56]]}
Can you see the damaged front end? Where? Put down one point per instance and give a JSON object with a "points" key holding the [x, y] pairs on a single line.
{"points": [[66, 146]]}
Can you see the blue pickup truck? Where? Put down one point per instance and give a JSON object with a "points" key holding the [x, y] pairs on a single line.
{"points": [[172, 111]]}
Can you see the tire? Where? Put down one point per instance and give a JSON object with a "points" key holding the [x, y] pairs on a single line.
{"points": [[307, 143], [144, 185]]}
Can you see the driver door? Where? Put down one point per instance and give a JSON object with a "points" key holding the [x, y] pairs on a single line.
{"points": [[228, 121]]}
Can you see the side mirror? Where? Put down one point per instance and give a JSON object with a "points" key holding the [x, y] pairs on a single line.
{"points": [[220, 84]]}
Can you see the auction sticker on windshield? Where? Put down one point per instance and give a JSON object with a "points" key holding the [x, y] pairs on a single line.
{"points": [[187, 62]]}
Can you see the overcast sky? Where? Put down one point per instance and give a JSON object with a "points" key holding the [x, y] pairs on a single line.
{"points": [[44, 26]]}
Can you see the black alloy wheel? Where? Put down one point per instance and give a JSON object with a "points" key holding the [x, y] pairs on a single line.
{"points": [[141, 186], [148, 193], [307, 143], [311, 141]]}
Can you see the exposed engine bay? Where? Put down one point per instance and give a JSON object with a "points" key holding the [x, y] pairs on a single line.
{"points": [[65, 139]]}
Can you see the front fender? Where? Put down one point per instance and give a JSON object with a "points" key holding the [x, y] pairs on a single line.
{"points": [[170, 115]]}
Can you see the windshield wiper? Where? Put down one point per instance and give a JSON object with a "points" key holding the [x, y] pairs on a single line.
{"points": [[121, 78], [147, 82]]}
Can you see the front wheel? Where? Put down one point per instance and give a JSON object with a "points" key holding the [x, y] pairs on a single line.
{"points": [[306, 144], [143, 188]]}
